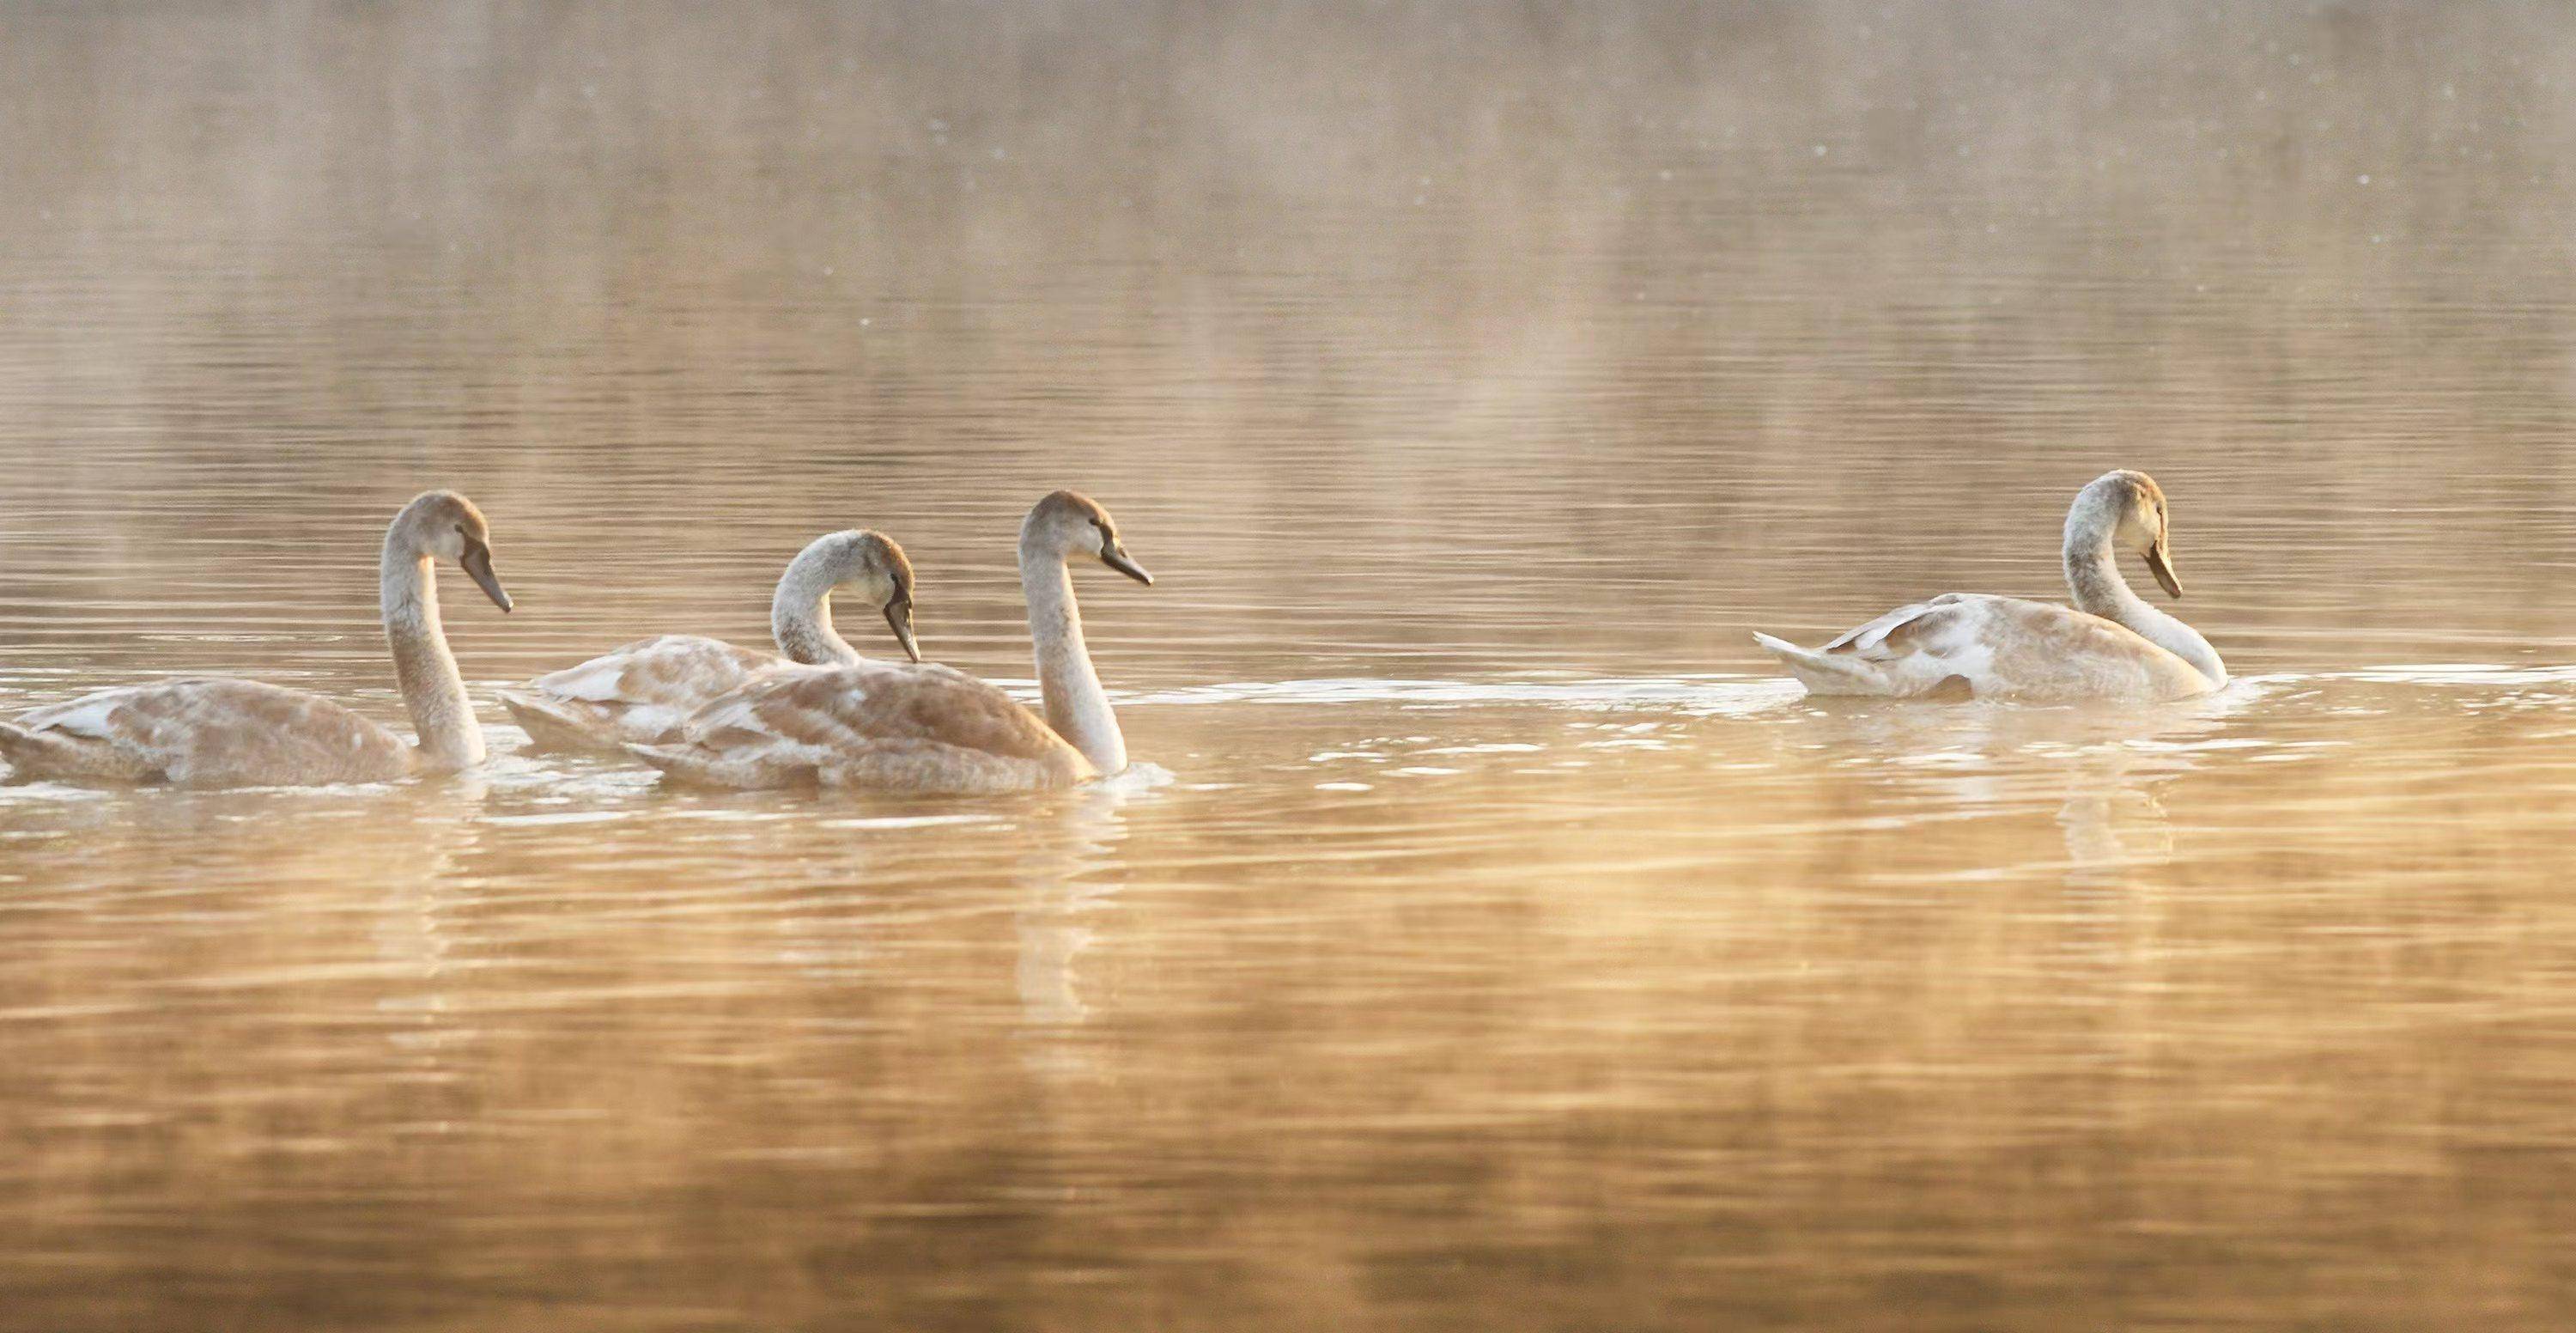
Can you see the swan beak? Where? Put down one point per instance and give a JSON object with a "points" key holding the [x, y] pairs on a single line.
{"points": [[899, 616], [1116, 558], [477, 562], [2161, 565]]}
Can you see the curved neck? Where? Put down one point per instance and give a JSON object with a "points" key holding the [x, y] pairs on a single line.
{"points": [[1076, 706], [800, 616], [432, 689], [2093, 577]]}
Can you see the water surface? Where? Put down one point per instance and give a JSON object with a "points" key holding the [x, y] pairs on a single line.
{"points": [[1488, 940]]}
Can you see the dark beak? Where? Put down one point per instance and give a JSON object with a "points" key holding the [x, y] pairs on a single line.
{"points": [[899, 615], [478, 564], [2161, 565], [1116, 558]]}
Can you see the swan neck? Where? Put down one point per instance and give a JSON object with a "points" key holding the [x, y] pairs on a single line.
{"points": [[800, 617], [1076, 707], [433, 690], [2093, 578]]}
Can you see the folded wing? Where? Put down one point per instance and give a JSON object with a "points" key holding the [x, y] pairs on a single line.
{"points": [[882, 725], [204, 732], [1971, 645], [641, 693]]}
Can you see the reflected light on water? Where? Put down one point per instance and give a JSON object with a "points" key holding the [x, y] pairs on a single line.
{"points": [[1489, 938]]}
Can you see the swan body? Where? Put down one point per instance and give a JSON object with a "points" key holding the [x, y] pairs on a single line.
{"points": [[219, 732], [1972, 645], [2110, 646], [928, 728], [204, 732], [644, 692], [878, 725]]}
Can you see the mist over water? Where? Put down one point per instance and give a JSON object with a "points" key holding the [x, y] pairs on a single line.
{"points": [[1491, 940]]}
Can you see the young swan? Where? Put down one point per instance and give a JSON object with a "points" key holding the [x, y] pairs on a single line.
{"points": [[931, 728], [214, 732], [1969, 645], [643, 692]]}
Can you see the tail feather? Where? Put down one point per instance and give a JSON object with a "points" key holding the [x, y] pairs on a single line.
{"points": [[16, 745], [697, 767], [551, 726], [663, 757], [1825, 673], [36, 753]]}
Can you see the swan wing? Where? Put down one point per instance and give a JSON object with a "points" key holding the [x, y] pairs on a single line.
{"points": [[2043, 652], [205, 732], [1923, 625], [1975, 645], [895, 726], [1904, 653], [642, 692]]}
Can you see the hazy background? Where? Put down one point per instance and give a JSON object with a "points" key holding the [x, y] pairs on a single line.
{"points": [[1768, 314], [1494, 944]]}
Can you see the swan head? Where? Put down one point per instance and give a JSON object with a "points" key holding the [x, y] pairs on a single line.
{"points": [[869, 566], [1069, 523], [443, 525], [2129, 508]]}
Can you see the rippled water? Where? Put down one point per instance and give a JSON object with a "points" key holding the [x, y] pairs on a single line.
{"points": [[1487, 938]]}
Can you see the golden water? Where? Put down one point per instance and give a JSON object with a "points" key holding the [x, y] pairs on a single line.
{"points": [[1495, 942]]}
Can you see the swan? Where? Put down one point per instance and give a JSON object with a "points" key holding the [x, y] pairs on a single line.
{"points": [[931, 728], [218, 732], [2110, 646], [644, 691]]}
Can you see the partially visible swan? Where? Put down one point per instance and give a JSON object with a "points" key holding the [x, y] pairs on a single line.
{"points": [[931, 728], [217, 732], [644, 691], [2116, 647]]}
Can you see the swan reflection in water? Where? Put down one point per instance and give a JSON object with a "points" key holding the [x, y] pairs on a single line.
{"points": [[2099, 767], [1067, 875]]}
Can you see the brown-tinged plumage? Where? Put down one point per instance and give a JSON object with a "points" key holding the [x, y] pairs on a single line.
{"points": [[930, 728], [644, 692], [927, 728], [2111, 646], [218, 732]]}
